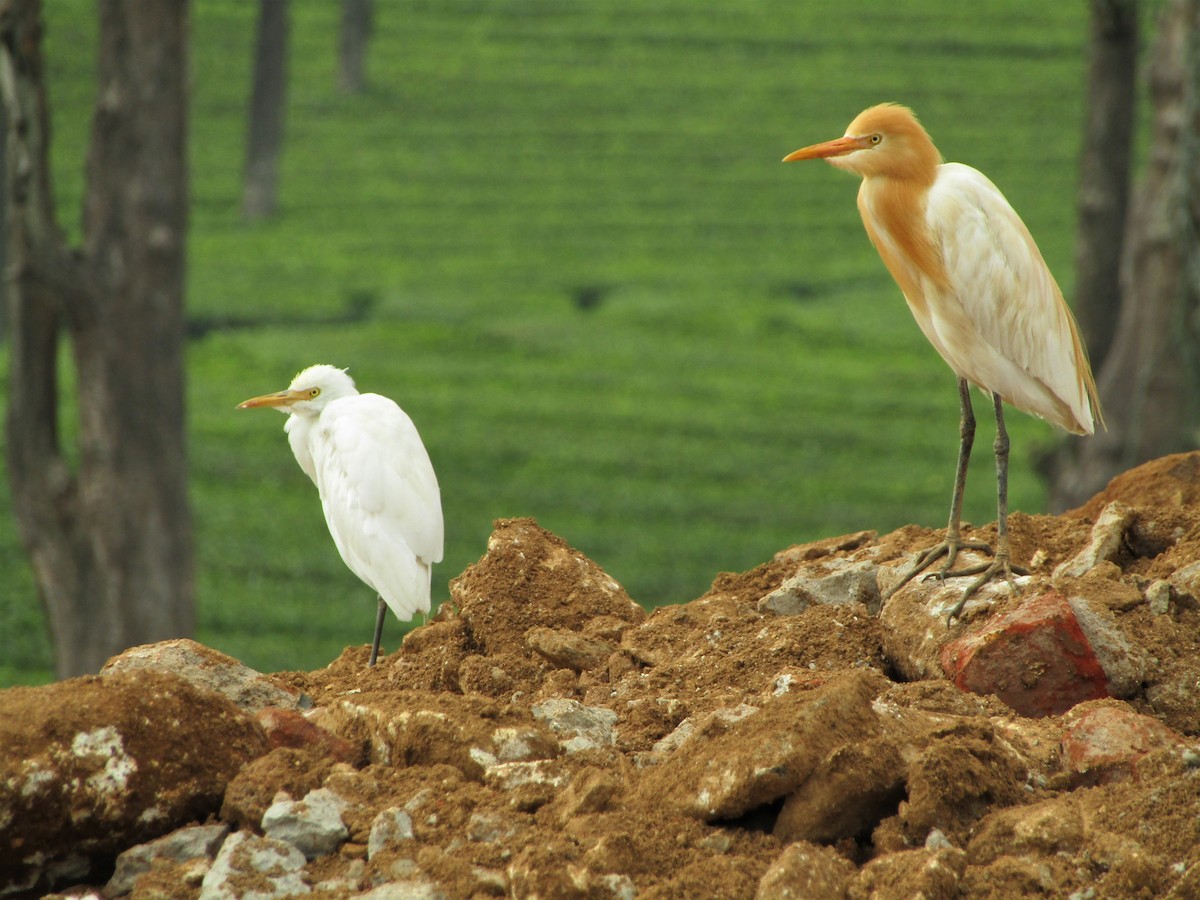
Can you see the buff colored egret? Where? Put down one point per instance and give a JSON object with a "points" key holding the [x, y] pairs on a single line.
{"points": [[980, 292], [376, 483]]}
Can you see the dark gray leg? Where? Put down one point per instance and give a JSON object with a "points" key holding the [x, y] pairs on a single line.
{"points": [[378, 632]]}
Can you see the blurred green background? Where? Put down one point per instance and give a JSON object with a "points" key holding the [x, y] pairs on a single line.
{"points": [[560, 236]]}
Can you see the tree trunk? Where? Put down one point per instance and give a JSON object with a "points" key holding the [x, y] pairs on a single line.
{"points": [[1150, 381], [264, 141], [110, 544], [352, 46], [1105, 170]]}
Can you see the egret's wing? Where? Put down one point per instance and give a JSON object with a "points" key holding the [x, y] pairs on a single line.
{"points": [[1025, 345], [380, 496]]}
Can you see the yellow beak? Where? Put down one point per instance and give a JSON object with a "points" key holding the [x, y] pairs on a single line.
{"points": [[838, 147], [279, 398]]}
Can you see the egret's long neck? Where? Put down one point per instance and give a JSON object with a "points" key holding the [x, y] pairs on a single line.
{"points": [[893, 212]]}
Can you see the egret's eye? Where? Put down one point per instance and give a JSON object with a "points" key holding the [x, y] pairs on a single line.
{"points": [[876, 138], [314, 392]]}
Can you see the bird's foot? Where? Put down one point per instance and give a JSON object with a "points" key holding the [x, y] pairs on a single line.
{"points": [[948, 548], [985, 572]]}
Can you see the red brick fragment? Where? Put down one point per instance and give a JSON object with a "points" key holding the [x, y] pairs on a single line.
{"points": [[288, 728], [1036, 659], [1103, 741]]}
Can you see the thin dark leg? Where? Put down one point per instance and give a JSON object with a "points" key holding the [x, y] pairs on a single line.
{"points": [[1001, 448], [966, 440], [1001, 563], [953, 543], [378, 632]]}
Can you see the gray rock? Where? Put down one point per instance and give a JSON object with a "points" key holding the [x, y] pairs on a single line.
{"points": [[1108, 534], [834, 582], [313, 825], [275, 868], [588, 727], [193, 842], [1124, 663], [389, 827], [210, 669]]}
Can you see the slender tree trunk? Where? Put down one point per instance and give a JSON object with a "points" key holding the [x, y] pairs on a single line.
{"points": [[268, 99], [110, 544], [352, 45], [1150, 380], [1105, 170]]}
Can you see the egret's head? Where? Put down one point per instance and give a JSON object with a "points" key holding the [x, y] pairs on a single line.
{"points": [[884, 140], [309, 392]]}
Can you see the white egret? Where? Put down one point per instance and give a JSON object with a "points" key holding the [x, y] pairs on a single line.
{"points": [[980, 292], [376, 483]]}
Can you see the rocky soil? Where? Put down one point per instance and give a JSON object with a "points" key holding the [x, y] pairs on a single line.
{"points": [[788, 734]]}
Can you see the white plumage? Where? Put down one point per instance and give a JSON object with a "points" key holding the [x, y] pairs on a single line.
{"points": [[377, 486]]}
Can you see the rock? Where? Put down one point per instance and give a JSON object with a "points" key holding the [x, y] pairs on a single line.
{"points": [[586, 727], [193, 842], [283, 770], [1103, 740], [389, 827], [211, 669], [1124, 665], [832, 581], [1108, 535], [1186, 581], [931, 874], [803, 871], [513, 775], [1036, 658], [289, 728], [415, 728], [82, 776], [753, 762], [568, 649], [251, 866], [313, 825], [1158, 596], [914, 618]]}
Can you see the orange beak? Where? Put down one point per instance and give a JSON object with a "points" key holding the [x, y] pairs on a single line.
{"points": [[838, 147], [280, 398]]}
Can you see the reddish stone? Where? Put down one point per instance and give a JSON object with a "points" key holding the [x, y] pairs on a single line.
{"points": [[1036, 659], [288, 728], [1103, 741]]}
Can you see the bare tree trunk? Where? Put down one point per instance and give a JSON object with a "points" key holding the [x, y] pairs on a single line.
{"points": [[264, 140], [1150, 381], [352, 46], [1105, 170], [110, 545]]}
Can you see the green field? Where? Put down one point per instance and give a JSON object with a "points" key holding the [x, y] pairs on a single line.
{"points": [[559, 235]]}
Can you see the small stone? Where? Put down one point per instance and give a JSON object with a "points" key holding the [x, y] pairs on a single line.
{"points": [[803, 871], [588, 727], [389, 827], [207, 668], [1108, 534], [836, 582], [1158, 595], [568, 649], [183, 844], [313, 825], [1103, 741], [275, 867]]}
